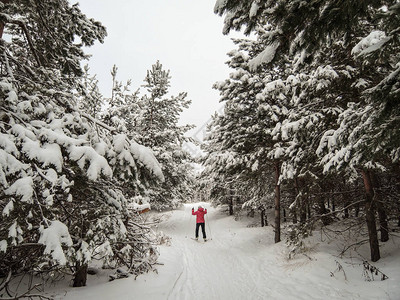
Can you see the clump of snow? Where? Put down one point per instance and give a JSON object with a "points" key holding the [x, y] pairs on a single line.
{"points": [[274, 85], [360, 83], [97, 164], [7, 145], [288, 127], [48, 154], [374, 41], [51, 175], [59, 137], [122, 227], [8, 208], [219, 6], [139, 207], [254, 167], [84, 254], [101, 148], [22, 132], [3, 246], [287, 171], [22, 187], [25, 106], [254, 9], [53, 238], [119, 142], [12, 97], [278, 153], [147, 158], [265, 56], [15, 233]]}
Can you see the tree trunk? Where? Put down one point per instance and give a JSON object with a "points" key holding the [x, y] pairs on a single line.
{"points": [[230, 205], [263, 218], [397, 171], [383, 222], [326, 220], [370, 217], [346, 200], [294, 210], [277, 204], [1, 29], [80, 275], [301, 203], [357, 210], [1, 23]]}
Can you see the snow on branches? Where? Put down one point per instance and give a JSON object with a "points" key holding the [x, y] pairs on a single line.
{"points": [[66, 178]]}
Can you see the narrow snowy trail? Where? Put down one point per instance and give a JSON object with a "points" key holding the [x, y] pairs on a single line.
{"points": [[238, 262], [241, 262], [223, 267]]}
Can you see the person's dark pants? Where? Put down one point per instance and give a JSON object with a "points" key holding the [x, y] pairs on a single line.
{"points": [[203, 230]]}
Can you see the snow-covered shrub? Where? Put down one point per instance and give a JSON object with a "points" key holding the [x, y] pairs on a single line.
{"points": [[295, 236]]}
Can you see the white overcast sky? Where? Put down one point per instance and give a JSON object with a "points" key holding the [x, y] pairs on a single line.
{"points": [[184, 35]]}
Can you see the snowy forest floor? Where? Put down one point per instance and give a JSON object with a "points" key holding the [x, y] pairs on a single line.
{"points": [[242, 262]]}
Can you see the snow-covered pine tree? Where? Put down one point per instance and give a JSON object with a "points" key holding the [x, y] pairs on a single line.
{"points": [[246, 130], [159, 128], [152, 119], [61, 197], [218, 177], [362, 136]]}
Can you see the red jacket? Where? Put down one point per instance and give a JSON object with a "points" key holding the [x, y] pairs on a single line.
{"points": [[199, 214]]}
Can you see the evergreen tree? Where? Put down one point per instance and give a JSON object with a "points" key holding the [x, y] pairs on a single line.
{"points": [[249, 119], [158, 127], [152, 120], [336, 85], [61, 190]]}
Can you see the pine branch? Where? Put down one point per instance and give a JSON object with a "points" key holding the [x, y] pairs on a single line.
{"points": [[354, 244], [6, 281], [2, 24], [1, 29], [28, 38], [316, 217], [98, 122]]}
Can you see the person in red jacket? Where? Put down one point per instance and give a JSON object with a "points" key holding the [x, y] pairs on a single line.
{"points": [[200, 221]]}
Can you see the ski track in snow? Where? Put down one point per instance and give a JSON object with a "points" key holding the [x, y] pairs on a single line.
{"points": [[236, 263]]}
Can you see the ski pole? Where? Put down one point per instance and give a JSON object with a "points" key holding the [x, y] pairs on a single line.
{"points": [[190, 224], [209, 228]]}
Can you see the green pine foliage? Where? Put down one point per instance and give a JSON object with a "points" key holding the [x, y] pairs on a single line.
{"points": [[151, 119], [66, 177], [157, 126], [316, 92]]}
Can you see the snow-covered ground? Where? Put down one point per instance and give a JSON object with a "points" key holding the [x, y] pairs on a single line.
{"points": [[241, 262]]}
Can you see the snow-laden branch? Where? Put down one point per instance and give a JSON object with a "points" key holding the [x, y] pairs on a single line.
{"points": [[140, 152]]}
